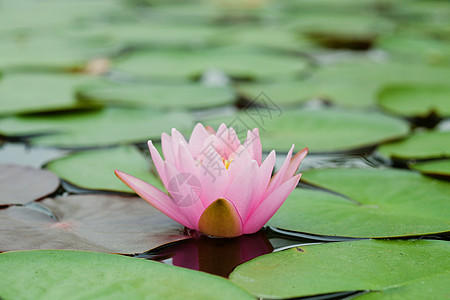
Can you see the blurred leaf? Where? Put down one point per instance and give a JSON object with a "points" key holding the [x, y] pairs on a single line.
{"points": [[416, 100], [164, 96], [20, 184], [421, 145], [439, 167], [39, 92], [94, 169], [106, 127], [326, 130], [238, 62], [50, 51]]}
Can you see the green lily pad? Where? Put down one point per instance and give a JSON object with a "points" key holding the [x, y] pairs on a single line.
{"points": [[50, 52], [20, 184], [416, 100], [439, 167], [421, 145], [94, 169], [256, 36], [95, 128], [190, 96], [413, 48], [343, 266], [407, 204], [94, 222], [319, 130], [423, 288], [54, 274], [282, 93], [239, 62], [153, 34], [356, 31], [44, 92], [29, 15], [357, 83]]}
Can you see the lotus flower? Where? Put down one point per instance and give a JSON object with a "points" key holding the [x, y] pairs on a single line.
{"points": [[217, 185]]}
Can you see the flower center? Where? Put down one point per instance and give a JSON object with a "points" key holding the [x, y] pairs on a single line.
{"points": [[227, 162]]}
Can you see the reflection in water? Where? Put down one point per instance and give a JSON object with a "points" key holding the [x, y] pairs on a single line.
{"points": [[217, 256], [220, 256]]}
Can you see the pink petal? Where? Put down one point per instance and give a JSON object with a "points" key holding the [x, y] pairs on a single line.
{"points": [[184, 189], [186, 162], [198, 136], [295, 163], [167, 147], [240, 191], [262, 180], [210, 129], [278, 178], [221, 129], [253, 145], [214, 177], [177, 139], [240, 160], [270, 205], [228, 141], [157, 161], [154, 196]]}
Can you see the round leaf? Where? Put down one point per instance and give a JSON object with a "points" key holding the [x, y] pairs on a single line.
{"points": [[407, 204], [343, 266], [54, 274], [235, 62], [421, 145], [101, 223], [96, 128], [94, 169], [20, 184], [319, 130], [439, 167], [190, 96], [416, 100], [44, 92]]}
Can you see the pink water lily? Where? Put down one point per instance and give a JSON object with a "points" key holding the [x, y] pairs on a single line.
{"points": [[216, 184]]}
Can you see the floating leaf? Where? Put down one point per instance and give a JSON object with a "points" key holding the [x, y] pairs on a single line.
{"points": [[95, 128], [44, 92], [87, 222], [52, 14], [439, 167], [190, 96], [55, 52], [421, 145], [409, 48], [319, 130], [343, 266], [407, 204], [256, 36], [20, 184], [154, 34], [416, 100], [235, 62], [53, 274], [94, 169], [433, 286], [357, 83]]}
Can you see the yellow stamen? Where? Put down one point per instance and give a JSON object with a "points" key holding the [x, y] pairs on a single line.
{"points": [[227, 163]]}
